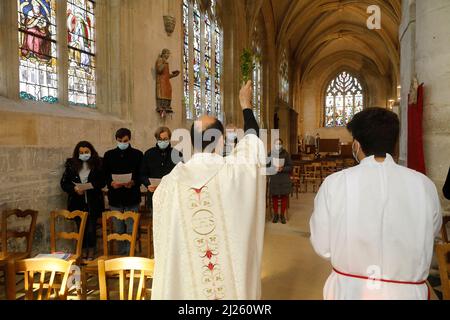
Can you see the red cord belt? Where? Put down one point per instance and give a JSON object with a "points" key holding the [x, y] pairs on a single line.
{"points": [[383, 280]]}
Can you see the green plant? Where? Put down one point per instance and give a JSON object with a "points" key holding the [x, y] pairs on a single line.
{"points": [[247, 65]]}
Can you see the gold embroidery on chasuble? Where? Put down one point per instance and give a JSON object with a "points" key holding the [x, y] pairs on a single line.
{"points": [[205, 233]]}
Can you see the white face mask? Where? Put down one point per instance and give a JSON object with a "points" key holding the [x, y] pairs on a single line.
{"points": [[163, 144], [85, 157], [123, 146], [355, 153]]}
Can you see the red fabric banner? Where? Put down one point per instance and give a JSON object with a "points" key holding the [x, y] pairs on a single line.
{"points": [[416, 157]]}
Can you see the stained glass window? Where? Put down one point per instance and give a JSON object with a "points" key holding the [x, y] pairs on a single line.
{"points": [[202, 60], [81, 42], [37, 50], [284, 77], [257, 74], [344, 98]]}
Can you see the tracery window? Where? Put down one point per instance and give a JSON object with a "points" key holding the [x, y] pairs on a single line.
{"points": [[81, 48], [344, 98], [38, 78], [202, 60], [257, 75], [284, 77]]}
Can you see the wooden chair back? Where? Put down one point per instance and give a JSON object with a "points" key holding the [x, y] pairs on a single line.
{"points": [[12, 234], [348, 163], [45, 286], [296, 172], [109, 235], [77, 236], [328, 168], [443, 256], [445, 221], [309, 172], [129, 269]]}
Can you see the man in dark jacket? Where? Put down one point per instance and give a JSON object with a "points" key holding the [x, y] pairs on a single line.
{"points": [[123, 197], [158, 161]]}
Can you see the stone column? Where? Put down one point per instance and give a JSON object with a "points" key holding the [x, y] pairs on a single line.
{"points": [[433, 68], [426, 53]]}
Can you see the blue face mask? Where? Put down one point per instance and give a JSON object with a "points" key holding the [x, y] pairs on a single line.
{"points": [[123, 146], [85, 157], [163, 144]]}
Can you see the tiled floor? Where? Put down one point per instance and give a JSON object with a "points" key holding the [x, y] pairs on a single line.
{"points": [[291, 269]]}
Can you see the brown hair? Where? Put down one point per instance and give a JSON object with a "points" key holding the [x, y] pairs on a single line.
{"points": [[161, 130]]}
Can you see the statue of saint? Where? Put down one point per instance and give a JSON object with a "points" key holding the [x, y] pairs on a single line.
{"points": [[163, 86]]}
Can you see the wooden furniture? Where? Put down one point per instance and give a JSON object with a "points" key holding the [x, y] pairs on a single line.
{"points": [[295, 178], [348, 163], [346, 151], [91, 268], [145, 226], [130, 269], [312, 174], [445, 221], [443, 256], [45, 287], [328, 168], [77, 236], [6, 256], [329, 146], [146, 229]]}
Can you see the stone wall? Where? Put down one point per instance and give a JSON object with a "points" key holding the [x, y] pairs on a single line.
{"points": [[36, 138]]}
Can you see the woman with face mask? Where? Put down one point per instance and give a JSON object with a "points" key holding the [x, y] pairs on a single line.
{"points": [[85, 166], [280, 185], [158, 162]]}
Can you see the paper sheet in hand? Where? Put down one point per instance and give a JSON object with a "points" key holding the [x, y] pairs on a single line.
{"points": [[154, 182], [63, 256], [122, 178], [277, 162], [84, 186]]}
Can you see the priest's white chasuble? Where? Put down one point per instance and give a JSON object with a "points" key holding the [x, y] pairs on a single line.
{"points": [[377, 223], [208, 226]]}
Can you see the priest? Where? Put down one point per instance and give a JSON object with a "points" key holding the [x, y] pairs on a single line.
{"points": [[376, 222], [209, 217]]}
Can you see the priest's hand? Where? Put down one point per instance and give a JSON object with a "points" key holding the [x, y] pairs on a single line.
{"points": [[246, 96], [152, 188]]}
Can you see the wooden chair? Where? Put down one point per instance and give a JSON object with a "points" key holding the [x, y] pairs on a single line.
{"points": [[295, 177], [146, 229], [6, 256], [130, 268], [312, 174], [145, 226], [91, 268], [10, 234], [443, 256], [46, 286], [328, 168], [445, 221], [348, 163], [77, 236], [339, 165]]}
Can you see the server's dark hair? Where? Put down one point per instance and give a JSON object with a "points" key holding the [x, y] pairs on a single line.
{"points": [[123, 132], [377, 130], [207, 136]]}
